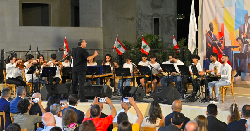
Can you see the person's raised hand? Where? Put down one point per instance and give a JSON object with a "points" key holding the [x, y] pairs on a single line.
{"points": [[95, 101], [124, 106], [108, 101], [131, 101], [96, 53]]}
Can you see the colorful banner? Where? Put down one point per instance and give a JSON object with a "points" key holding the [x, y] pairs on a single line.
{"points": [[226, 30]]}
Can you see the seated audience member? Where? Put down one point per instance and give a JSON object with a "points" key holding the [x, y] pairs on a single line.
{"points": [[240, 125], [176, 107], [5, 106], [94, 111], [177, 122], [14, 127], [125, 108], [55, 109], [104, 115], [122, 116], [35, 108], [191, 126], [48, 121], [213, 123], [24, 119], [69, 120], [202, 122], [248, 124], [21, 93], [56, 129], [125, 126], [155, 118], [87, 126], [73, 101], [234, 113], [52, 100]]}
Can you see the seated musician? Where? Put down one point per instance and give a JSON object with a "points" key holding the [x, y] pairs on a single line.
{"points": [[57, 78], [174, 77], [155, 67], [92, 62], [109, 61], [66, 62], [13, 73], [169, 59], [213, 66], [143, 62], [130, 65], [225, 74], [195, 71], [31, 62], [40, 59]]}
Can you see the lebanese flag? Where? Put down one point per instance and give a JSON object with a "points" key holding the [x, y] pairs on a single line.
{"points": [[145, 47], [65, 48], [120, 48], [176, 46]]}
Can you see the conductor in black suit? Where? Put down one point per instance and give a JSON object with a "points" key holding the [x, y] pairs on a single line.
{"points": [[240, 125], [80, 57], [176, 123], [213, 123]]}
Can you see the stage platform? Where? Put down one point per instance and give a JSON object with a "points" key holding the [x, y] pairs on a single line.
{"points": [[190, 110]]}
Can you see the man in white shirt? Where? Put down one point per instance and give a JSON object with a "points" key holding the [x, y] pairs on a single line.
{"points": [[66, 62], [13, 73], [225, 74], [214, 64], [53, 63], [55, 109], [48, 121], [169, 59], [144, 61], [174, 77]]}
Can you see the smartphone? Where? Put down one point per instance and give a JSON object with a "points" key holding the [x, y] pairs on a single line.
{"points": [[35, 100], [101, 100], [125, 100]]}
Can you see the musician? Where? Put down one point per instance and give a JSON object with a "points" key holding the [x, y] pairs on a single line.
{"points": [[53, 63], [40, 59], [195, 59], [143, 62], [169, 59], [240, 58], [175, 77], [214, 63], [92, 62], [13, 73], [225, 74], [155, 67], [109, 61], [66, 62], [28, 64], [80, 57]]}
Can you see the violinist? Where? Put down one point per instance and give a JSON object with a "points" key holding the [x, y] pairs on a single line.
{"points": [[40, 59], [13, 72], [31, 64], [66, 62], [53, 63]]}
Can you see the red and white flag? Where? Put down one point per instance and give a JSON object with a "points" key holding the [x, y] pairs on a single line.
{"points": [[145, 47], [120, 48], [176, 46], [65, 48]]}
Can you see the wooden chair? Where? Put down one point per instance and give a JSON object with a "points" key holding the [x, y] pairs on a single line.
{"points": [[27, 83], [230, 87], [188, 85], [2, 113], [12, 117], [24, 129], [11, 86], [37, 124], [148, 129]]}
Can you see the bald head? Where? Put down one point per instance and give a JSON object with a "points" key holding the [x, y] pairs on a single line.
{"points": [[191, 126], [48, 119], [177, 106], [36, 95]]}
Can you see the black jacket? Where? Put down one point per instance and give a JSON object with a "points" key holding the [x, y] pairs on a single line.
{"points": [[237, 125], [169, 128], [169, 116], [215, 125], [80, 114]]}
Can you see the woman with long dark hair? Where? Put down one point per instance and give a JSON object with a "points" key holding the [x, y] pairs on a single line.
{"points": [[234, 113]]}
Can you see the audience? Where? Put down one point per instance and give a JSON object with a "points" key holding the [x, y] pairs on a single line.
{"points": [[69, 120], [94, 111], [155, 118], [240, 125], [125, 108], [35, 108], [52, 100], [234, 113], [5, 106], [14, 127], [248, 124], [55, 129], [104, 115], [176, 107], [213, 123], [191, 126], [73, 101], [21, 93], [24, 119], [202, 122], [48, 121], [177, 122], [125, 126], [87, 126], [122, 116], [55, 109]]}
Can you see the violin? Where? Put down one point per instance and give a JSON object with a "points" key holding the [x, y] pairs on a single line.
{"points": [[20, 65]]}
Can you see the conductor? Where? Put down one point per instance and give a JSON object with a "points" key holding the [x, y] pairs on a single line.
{"points": [[80, 57]]}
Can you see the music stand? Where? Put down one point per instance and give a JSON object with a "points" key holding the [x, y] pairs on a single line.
{"points": [[122, 72], [31, 71], [145, 70], [49, 72], [168, 68], [106, 70], [67, 71], [184, 70], [93, 70]]}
